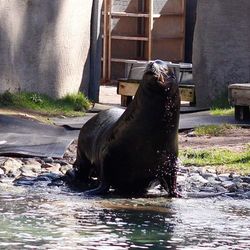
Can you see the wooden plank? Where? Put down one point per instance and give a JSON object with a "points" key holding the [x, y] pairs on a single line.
{"points": [[239, 94], [239, 86], [187, 92], [132, 38], [168, 14], [127, 88], [129, 61], [240, 97], [168, 37], [125, 14]]}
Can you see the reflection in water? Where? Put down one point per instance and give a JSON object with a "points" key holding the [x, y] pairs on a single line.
{"points": [[52, 218]]}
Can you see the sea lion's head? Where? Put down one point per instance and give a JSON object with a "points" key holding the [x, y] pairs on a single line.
{"points": [[158, 77]]}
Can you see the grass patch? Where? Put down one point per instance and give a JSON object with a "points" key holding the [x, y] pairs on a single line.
{"points": [[222, 111], [213, 130], [228, 159], [70, 105], [221, 101], [221, 106]]}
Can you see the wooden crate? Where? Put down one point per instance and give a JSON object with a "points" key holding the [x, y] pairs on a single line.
{"points": [[239, 97]]}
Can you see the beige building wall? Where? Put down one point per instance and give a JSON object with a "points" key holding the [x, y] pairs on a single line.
{"points": [[44, 45]]}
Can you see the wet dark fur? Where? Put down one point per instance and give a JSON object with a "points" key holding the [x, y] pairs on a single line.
{"points": [[129, 150]]}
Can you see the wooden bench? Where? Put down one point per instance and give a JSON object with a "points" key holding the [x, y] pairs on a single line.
{"points": [[128, 89], [239, 97]]}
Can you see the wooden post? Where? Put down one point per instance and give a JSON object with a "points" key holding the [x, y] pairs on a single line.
{"points": [[150, 28], [105, 26], [109, 38], [183, 10]]}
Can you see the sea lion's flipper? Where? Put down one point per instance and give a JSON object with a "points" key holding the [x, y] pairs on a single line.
{"points": [[168, 181], [103, 188], [79, 175], [104, 185], [82, 167]]}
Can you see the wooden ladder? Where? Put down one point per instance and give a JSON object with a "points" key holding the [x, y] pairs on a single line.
{"points": [[150, 29], [108, 36]]}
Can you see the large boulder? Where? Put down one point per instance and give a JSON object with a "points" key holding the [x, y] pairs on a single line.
{"points": [[221, 48]]}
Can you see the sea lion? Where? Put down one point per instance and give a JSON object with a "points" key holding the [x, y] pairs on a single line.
{"points": [[129, 149]]}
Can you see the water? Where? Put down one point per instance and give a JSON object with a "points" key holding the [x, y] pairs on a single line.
{"points": [[56, 218]]}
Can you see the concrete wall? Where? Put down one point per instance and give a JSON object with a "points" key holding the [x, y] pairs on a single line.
{"points": [[221, 48], [44, 45]]}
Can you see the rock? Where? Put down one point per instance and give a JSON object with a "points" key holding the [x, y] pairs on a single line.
{"points": [[6, 181], [191, 134], [221, 189], [48, 160], [31, 167], [195, 177], [61, 162], [57, 183], [1, 172], [246, 195], [223, 177], [207, 175], [181, 179], [229, 185], [11, 165], [211, 170], [65, 168], [246, 179], [194, 169], [47, 165], [212, 181], [54, 168], [27, 171], [48, 177], [208, 189], [245, 186], [24, 180]]}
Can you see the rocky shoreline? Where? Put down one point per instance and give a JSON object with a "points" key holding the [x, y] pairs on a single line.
{"points": [[195, 181]]}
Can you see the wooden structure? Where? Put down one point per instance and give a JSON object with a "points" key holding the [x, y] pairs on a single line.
{"points": [[127, 87], [239, 96], [141, 30]]}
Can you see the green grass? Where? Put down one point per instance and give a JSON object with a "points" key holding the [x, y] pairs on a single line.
{"points": [[221, 106], [70, 105], [221, 101], [230, 160], [222, 111], [213, 130]]}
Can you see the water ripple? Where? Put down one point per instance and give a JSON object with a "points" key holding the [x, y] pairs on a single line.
{"points": [[58, 219]]}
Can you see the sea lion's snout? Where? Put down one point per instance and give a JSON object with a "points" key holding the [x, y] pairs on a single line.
{"points": [[161, 71], [156, 68]]}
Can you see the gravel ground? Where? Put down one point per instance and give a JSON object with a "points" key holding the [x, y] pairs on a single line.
{"points": [[192, 181]]}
